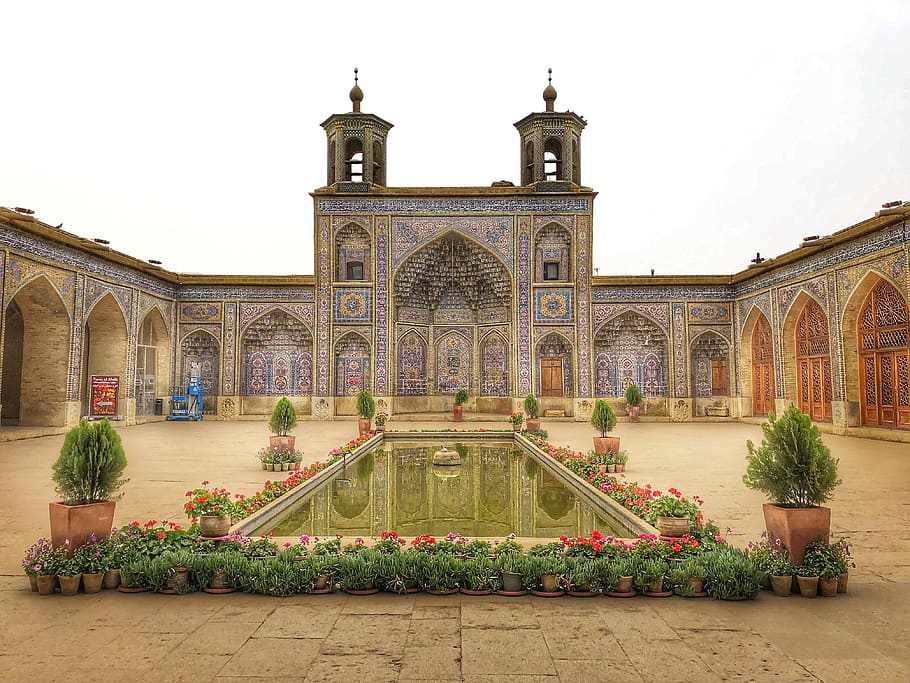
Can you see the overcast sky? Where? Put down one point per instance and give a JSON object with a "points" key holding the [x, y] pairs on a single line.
{"points": [[189, 131]]}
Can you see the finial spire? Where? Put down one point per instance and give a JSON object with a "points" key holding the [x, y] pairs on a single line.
{"points": [[549, 93], [356, 93]]}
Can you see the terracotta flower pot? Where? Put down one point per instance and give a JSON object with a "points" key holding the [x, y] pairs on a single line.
{"points": [[606, 444], [827, 588], [33, 582], [364, 425], [808, 586], [78, 522], [91, 583], [214, 526], [69, 585], [633, 413], [284, 443], [672, 527], [533, 424], [111, 578], [548, 583], [797, 527], [781, 585], [624, 584], [457, 412], [842, 583], [46, 584]]}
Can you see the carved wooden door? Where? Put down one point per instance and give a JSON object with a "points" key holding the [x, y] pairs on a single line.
{"points": [[718, 377], [884, 358], [813, 362], [762, 368], [551, 376]]}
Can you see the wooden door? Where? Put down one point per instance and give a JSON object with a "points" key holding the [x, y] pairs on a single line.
{"points": [[813, 362], [719, 377], [884, 359], [551, 376], [762, 368]]}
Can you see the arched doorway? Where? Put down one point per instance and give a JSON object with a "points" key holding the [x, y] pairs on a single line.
{"points": [[104, 348], [710, 361], [884, 358], [153, 362], [813, 362], [630, 348], [554, 364], [762, 367], [277, 357], [202, 349], [35, 357]]}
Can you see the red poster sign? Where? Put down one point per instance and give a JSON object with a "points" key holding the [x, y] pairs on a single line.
{"points": [[104, 395]]}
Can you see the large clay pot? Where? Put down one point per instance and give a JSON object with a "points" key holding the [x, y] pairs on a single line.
{"points": [[78, 522], [283, 443], [633, 413], [797, 527], [673, 527], [214, 526], [606, 444], [457, 412], [533, 424], [549, 583], [624, 584], [363, 426], [842, 583]]}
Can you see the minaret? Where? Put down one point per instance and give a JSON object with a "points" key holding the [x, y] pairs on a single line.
{"points": [[550, 143], [356, 146]]}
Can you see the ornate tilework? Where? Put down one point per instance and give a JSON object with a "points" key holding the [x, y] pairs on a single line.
{"points": [[73, 391], [555, 345], [165, 308], [892, 266], [22, 271], [453, 364], [250, 312], [132, 325], [95, 289], [744, 307], [658, 293], [838, 387], [523, 293], [679, 349], [540, 222], [341, 222], [494, 365], [200, 346], [710, 312], [230, 335], [382, 307], [659, 313], [277, 356], [453, 205], [412, 365], [352, 365], [200, 311], [352, 305], [553, 305], [242, 293], [324, 313], [630, 348], [410, 234], [815, 287]]}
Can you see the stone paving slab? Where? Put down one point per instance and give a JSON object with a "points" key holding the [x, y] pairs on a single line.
{"points": [[240, 637]]}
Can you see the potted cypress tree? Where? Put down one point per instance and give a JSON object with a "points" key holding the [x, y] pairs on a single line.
{"points": [[283, 420], [633, 402], [795, 469], [532, 410], [458, 408], [604, 419], [366, 409], [87, 474]]}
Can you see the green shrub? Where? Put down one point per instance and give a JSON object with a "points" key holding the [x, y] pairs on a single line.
{"points": [[461, 397], [633, 395], [532, 406], [90, 464], [603, 418], [792, 466], [284, 417], [366, 406]]}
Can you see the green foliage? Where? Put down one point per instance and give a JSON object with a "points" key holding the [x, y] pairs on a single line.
{"points": [[90, 464], [366, 406], [792, 466], [478, 573], [633, 395], [823, 560], [581, 573], [647, 571], [731, 574], [461, 397], [532, 406], [603, 418], [284, 417]]}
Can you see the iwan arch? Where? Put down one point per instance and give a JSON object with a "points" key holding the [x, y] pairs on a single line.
{"points": [[419, 292]]}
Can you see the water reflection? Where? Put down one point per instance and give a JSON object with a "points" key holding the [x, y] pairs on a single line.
{"points": [[496, 490]]}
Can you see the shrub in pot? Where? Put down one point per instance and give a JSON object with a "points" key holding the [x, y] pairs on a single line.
{"points": [[532, 410], [603, 419], [88, 475], [633, 402], [731, 574], [795, 469], [458, 407], [366, 409], [283, 420]]}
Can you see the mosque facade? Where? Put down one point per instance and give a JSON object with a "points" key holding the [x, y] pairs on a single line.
{"points": [[421, 292]]}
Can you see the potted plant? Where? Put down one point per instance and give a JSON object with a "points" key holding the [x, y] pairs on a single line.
{"points": [[824, 560], [68, 575], [458, 408], [511, 565], [620, 459], [649, 576], [213, 507], [366, 409], [479, 576], [515, 419], [604, 419], [532, 410], [672, 514], [780, 571], [845, 562], [546, 572], [283, 420], [381, 419], [87, 474], [731, 574], [581, 576], [795, 469], [633, 402], [91, 562], [40, 562]]}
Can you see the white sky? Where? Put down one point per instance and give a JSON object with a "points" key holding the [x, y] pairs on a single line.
{"points": [[189, 131]]}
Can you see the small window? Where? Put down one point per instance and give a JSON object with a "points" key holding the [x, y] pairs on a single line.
{"points": [[355, 270], [551, 270]]}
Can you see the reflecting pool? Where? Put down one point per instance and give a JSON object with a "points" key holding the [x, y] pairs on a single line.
{"points": [[497, 490]]}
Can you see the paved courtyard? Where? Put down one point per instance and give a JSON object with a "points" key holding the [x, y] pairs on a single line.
{"points": [[863, 635]]}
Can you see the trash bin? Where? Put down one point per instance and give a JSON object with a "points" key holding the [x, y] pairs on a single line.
{"points": [[159, 406]]}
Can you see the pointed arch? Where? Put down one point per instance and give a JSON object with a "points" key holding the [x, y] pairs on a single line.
{"points": [[710, 360], [877, 322], [412, 365], [153, 361], [200, 352], [494, 365], [631, 347], [453, 363], [554, 355], [353, 247], [553, 253], [35, 356], [759, 340], [105, 345], [353, 364], [806, 356], [277, 355]]}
